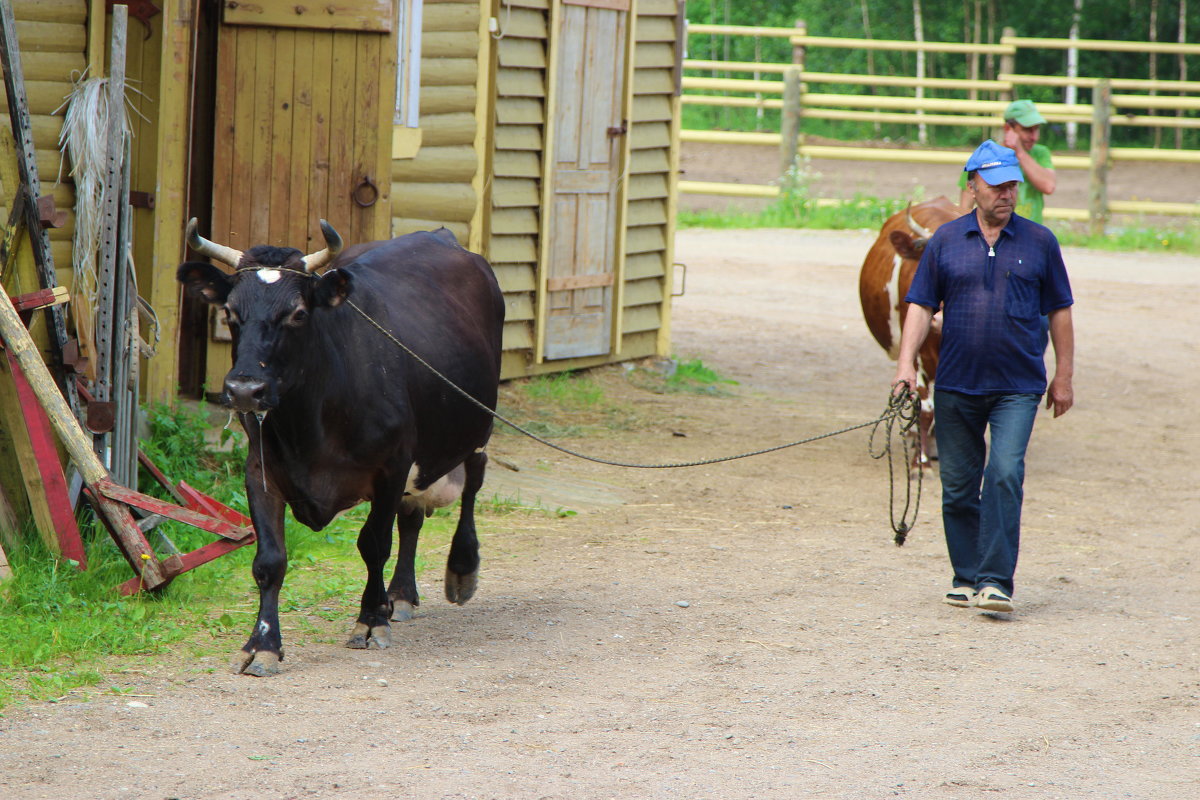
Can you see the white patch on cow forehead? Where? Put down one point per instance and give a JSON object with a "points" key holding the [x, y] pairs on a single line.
{"points": [[269, 275]]}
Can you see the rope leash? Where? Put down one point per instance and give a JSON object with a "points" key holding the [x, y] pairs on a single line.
{"points": [[903, 408]]}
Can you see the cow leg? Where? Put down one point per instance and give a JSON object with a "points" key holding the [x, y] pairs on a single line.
{"points": [[462, 566], [375, 545], [403, 591], [261, 655]]}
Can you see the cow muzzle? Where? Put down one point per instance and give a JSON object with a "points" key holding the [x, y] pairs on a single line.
{"points": [[248, 395]]}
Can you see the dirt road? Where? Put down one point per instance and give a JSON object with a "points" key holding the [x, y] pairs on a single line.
{"points": [[744, 631]]}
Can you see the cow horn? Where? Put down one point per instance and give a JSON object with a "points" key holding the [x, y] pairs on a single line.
{"points": [[333, 242], [924, 233], [226, 255]]}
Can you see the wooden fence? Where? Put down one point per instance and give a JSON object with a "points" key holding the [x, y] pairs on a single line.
{"points": [[793, 94]]}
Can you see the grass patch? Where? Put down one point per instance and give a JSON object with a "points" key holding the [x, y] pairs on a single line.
{"points": [[565, 405], [691, 376], [62, 630], [795, 209]]}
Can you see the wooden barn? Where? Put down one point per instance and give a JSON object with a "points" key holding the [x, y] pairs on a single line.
{"points": [[543, 133]]}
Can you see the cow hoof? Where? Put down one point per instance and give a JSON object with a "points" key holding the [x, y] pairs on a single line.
{"points": [[460, 588], [380, 639], [402, 611], [256, 665], [358, 637]]}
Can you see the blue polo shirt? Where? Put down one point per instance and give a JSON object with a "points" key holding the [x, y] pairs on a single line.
{"points": [[992, 303]]}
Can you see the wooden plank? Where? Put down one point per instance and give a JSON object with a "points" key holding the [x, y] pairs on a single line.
{"points": [[655, 29], [279, 186], [437, 164], [510, 192], [515, 278], [614, 5], [650, 134], [644, 265], [448, 72], [519, 23], [450, 17], [520, 111], [258, 147], [321, 134], [517, 164], [341, 135], [522, 53], [647, 212], [519, 137], [645, 238], [368, 71], [52, 66], [641, 319], [403, 225], [654, 80], [570, 282], [640, 293], [443, 130], [70, 11], [515, 221], [521, 83], [302, 222], [650, 161], [517, 336], [51, 37], [518, 307], [342, 15], [642, 187], [654, 54], [448, 100], [513, 250], [453, 44], [452, 201], [651, 108]]}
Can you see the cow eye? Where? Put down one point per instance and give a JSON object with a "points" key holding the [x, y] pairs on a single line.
{"points": [[298, 317]]}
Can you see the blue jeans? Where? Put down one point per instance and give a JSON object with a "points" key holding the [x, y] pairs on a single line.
{"points": [[982, 491]]}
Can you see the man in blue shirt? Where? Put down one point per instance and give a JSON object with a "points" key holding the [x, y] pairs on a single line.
{"points": [[993, 274]]}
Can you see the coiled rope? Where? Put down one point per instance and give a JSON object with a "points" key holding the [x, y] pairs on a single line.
{"points": [[901, 413]]}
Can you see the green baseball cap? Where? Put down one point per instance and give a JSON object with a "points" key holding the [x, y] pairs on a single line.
{"points": [[1023, 112]]}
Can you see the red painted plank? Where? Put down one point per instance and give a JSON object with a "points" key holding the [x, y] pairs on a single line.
{"points": [[58, 497]]}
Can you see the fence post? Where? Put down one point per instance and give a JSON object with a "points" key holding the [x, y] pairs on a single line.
{"points": [[1008, 63], [1101, 126], [789, 121], [789, 124]]}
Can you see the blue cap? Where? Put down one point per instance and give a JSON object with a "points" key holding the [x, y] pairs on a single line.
{"points": [[994, 163]]}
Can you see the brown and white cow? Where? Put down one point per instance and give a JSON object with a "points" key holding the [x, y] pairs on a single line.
{"points": [[883, 282]]}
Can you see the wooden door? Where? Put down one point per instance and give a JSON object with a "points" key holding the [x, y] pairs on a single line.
{"points": [[588, 140], [303, 115]]}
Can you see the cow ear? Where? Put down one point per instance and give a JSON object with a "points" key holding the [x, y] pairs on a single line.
{"points": [[332, 288], [205, 281], [906, 245]]}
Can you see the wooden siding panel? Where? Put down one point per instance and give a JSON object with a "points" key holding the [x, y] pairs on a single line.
{"points": [[403, 225], [439, 17], [641, 293], [651, 108], [520, 111], [517, 336], [645, 238], [655, 29], [645, 265], [654, 54], [522, 54], [515, 277], [651, 160], [516, 220], [654, 81], [443, 130], [72, 11], [51, 37], [448, 72], [513, 250], [660, 8], [450, 201], [650, 134], [452, 44], [641, 318], [521, 23], [518, 307], [512, 82], [517, 164], [642, 187], [519, 137], [437, 164], [448, 100], [647, 212], [513, 192]]}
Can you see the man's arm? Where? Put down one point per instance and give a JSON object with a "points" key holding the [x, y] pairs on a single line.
{"points": [[915, 329], [1042, 177], [1061, 396]]}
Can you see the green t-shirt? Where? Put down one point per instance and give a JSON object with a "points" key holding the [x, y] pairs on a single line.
{"points": [[1030, 201]]}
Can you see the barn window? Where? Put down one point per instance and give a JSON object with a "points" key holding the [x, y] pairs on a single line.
{"points": [[408, 63]]}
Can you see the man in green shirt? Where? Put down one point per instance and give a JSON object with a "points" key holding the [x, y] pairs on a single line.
{"points": [[1022, 127]]}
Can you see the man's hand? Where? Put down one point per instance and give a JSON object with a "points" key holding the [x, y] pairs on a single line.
{"points": [[1060, 396]]}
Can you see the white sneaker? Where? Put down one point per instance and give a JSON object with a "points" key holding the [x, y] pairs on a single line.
{"points": [[992, 599]]}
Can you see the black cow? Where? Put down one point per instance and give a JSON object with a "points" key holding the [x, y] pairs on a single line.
{"points": [[337, 413]]}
